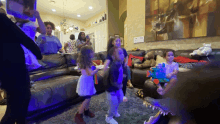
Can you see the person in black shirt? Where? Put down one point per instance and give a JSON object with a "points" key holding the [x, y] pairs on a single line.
{"points": [[14, 75]]}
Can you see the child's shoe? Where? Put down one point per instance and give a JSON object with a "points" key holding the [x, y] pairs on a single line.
{"points": [[117, 115], [110, 120], [89, 113], [125, 99], [79, 118]]}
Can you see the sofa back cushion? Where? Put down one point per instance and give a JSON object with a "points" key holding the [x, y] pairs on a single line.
{"points": [[50, 62], [49, 74], [103, 55], [140, 53], [158, 51], [71, 59]]}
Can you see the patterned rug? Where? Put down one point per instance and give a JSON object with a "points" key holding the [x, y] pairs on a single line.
{"points": [[132, 112]]}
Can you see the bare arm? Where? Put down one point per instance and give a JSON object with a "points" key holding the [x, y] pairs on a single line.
{"points": [[81, 45], [126, 60], [106, 64], [65, 46], [40, 23]]}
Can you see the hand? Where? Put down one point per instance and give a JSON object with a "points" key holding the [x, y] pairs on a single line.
{"points": [[35, 13], [43, 39], [87, 41], [160, 91]]}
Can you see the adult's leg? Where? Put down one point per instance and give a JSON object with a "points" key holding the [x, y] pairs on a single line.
{"points": [[129, 77], [15, 80]]}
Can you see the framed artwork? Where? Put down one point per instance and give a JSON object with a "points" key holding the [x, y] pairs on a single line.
{"points": [[122, 40], [111, 36], [117, 35], [191, 18], [21, 8]]}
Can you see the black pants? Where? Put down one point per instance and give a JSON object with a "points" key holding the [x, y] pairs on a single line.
{"points": [[125, 80], [16, 83], [17, 106]]}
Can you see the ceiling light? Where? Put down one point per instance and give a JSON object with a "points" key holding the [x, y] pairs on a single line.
{"points": [[78, 15], [90, 7], [71, 28], [2, 0], [53, 10]]}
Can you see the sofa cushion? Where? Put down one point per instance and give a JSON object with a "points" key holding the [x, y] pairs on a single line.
{"points": [[49, 92], [103, 55], [158, 51], [71, 59], [137, 53], [49, 74], [160, 59]]}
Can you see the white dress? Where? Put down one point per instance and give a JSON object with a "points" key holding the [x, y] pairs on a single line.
{"points": [[85, 86]]}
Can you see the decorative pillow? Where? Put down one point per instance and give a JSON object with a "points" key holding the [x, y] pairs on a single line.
{"points": [[97, 62], [131, 57], [160, 59]]}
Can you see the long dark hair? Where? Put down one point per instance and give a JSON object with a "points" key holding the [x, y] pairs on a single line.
{"points": [[109, 44], [84, 60], [80, 38]]}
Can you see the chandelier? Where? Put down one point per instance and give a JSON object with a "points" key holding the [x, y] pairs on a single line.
{"points": [[64, 26]]}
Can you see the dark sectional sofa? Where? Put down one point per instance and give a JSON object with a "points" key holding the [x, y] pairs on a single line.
{"points": [[54, 84]]}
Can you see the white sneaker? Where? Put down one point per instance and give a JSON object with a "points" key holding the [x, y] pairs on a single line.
{"points": [[110, 120], [117, 115]]}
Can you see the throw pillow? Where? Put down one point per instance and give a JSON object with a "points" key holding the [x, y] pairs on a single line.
{"points": [[160, 59], [97, 62], [131, 57]]}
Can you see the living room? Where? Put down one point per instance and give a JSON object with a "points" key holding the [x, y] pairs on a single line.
{"points": [[131, 20]]}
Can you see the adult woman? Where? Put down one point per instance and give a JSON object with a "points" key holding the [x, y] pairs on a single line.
{"points": [[117, 42], [82, 41], [49, 44], [70, 46]]}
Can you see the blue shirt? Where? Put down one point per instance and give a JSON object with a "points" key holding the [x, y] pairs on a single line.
{"points": [[52, 45]]}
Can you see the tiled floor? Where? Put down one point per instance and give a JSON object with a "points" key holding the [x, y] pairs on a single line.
{"points": [[2, 110]]}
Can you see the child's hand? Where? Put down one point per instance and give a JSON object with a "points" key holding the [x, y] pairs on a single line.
{"points": [[169, 75], [160, 90]]}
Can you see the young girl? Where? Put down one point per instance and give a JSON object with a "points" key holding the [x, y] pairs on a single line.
{"points": [[114, 85], [85, 86], [116, 42], [172, 69]]}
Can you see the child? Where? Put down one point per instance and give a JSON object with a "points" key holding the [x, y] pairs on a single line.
{"points": [[172, 69], [85, 86], [116, 42], [114, 84]]}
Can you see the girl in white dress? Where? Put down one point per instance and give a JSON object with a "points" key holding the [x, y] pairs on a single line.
{"points": [[85, 87]]}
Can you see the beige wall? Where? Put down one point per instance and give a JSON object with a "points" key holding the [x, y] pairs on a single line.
{"points": [[122, 7], [115, 26], [57, 19], [134, 26], [88, 23]]}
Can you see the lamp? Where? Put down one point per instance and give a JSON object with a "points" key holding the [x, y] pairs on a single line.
{"points": [[64, 26]]}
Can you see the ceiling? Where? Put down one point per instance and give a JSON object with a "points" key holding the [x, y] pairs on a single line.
{"points": [[71, 8]]}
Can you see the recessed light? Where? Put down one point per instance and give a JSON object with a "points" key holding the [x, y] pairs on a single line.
{"points": [[53, 10], [90, 7], [78, 15]]}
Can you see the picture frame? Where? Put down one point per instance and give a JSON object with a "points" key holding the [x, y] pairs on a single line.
{"points": [[122, 41], [111, 37], [21, 9], [117, 35]]}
